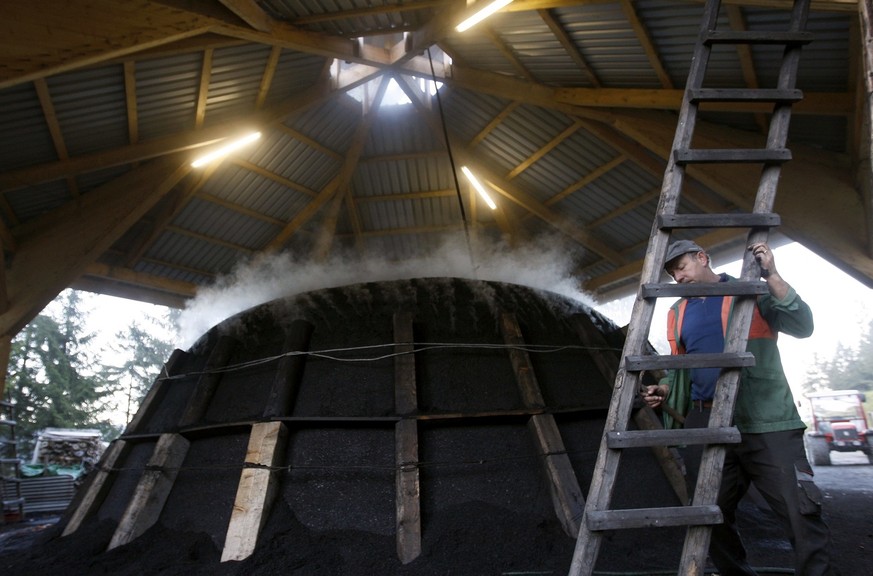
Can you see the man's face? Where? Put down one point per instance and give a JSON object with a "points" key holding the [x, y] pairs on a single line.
{"points": [[690, 267]]}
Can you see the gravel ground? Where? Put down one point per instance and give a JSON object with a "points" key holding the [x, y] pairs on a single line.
{"points": [[28, 548]]}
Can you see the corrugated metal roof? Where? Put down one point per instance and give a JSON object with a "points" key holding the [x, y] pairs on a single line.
{"points": [[249, 199], [91, 108], [166, 94], [21, 115]]}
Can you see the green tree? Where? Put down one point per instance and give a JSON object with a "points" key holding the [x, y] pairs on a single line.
{"points": [[145, 355], [50, 377]]}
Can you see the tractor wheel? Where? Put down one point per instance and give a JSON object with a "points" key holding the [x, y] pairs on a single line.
{"points": [[819, 451]]}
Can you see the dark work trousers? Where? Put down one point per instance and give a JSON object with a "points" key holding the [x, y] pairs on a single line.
{"points": [[775, 462]]}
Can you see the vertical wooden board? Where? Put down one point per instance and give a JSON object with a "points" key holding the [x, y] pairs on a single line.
{"points": [[289, 371], [405, 393], [566, 495], [256, 491], [407, 481], [408, 492], [203, 392], [97, 486], [154, 486]]}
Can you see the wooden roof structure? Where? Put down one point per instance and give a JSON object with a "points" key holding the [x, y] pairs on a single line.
{"points": [[565, 108]]}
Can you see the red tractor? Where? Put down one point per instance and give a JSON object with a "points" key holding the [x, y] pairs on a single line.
{"points": [[838, 423]]}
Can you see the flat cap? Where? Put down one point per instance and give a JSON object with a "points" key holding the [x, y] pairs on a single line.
{"points": [[681, 247]]}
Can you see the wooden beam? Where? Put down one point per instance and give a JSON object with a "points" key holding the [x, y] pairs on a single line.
{"points": [[53, 36], [343, 180], [134, 278], [545, 149], [251, 13], [865, 146], [66, 241], [283, 392], [607, 361], [97, 486], [648, 47], [586, 102], [569, 45], [203, 90], [130, 101], [267, 76], [747, 62], [258, 485], [567, 498], [150, 495], [208, 382], [586, 180], [835, 229]]}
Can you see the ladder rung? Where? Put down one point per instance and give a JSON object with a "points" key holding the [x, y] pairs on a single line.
{"points": [[674, 361], [648, 438], [7, 404], [745, 95], [9, 461], [757, 37], [653, 517], [732, 156], [739, 220], [671, 289], [4, 422]]}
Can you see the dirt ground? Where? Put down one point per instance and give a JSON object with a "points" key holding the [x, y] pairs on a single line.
{"points": [[32, 548]]}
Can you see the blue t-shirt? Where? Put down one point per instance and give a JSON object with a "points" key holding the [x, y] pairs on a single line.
{"points": [[702, 332]]}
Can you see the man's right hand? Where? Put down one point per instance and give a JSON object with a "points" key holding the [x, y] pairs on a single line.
{"points": [[654, 396]]}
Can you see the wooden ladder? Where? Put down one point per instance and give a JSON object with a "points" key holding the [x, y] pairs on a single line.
{"points": [[703, 511]]}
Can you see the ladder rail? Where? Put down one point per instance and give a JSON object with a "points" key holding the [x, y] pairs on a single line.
{"points": [[597, 514], [712, 462], [627, 383]]}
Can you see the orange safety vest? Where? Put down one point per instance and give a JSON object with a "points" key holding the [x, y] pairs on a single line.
{"points": [[759, 328]]}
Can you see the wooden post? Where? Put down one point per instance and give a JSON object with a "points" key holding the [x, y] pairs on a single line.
{"points": [[645, 418], [208, 383], [97, 486], [865, 160], [257, 490], [151, 493], [407, 483], [288, 372], [564, 486]]}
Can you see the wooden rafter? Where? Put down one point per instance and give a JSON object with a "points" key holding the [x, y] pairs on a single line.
{"points": [[587, 179], [570, 47], [545, 149], [506, 52], [747, 64], [646, 42], [130, 101]]}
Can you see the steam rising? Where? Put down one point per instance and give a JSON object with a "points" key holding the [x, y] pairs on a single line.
{"points": [[546, 266]]}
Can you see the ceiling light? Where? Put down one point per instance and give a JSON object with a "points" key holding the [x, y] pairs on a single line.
{"points": [[482, 14], [225, 150], [479, 188]]}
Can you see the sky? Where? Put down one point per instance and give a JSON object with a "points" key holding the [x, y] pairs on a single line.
{"points": [[842, 307]]}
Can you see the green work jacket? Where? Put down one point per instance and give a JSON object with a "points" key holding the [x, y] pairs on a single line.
{"points": [[764, 400]]}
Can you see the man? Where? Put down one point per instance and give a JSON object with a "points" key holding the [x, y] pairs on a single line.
{"points": [[771, 453]]}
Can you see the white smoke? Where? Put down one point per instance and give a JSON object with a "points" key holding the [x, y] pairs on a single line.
{"points": [[546, 266]]}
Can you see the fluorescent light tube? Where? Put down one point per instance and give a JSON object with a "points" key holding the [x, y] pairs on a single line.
{"points": [[225, 150], [479, 188], [482, 14]]}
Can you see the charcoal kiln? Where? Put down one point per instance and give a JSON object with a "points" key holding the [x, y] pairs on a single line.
{"points": [[425, 426]]}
